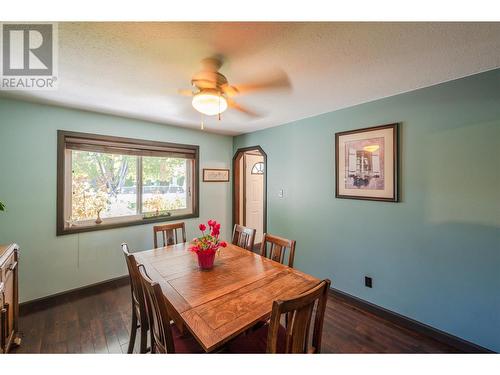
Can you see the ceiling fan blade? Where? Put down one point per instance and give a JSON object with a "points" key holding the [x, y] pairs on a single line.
{"points": [[230, 91], [276, 80], [185, 92], [232, 104]]}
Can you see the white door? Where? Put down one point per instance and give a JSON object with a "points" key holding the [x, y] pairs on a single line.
{"points": [[254, 184]]}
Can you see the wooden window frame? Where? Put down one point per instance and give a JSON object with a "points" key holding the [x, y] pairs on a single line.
{"points": [[64, 180]]}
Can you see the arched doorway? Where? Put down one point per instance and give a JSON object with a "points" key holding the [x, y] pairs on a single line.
{"points": [[250, 189]]}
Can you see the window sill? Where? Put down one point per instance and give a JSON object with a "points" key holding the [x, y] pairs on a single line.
{"points": [[113, 225]]}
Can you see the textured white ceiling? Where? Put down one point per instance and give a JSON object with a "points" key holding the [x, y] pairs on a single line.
{"points": [[134, 69]]}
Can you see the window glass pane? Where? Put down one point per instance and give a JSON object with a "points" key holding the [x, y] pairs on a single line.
{"points": [[258, 168], [164, 184], [103, 182]]}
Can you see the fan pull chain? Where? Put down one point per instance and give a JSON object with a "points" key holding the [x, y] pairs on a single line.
{"points": [[202, 123]]}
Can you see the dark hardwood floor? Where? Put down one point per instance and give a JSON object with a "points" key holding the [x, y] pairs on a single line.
{"points": [[97, 320]]}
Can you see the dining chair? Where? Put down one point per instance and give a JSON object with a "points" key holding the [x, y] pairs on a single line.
{"points": [[169, 233], [278, 247], [139, 315], [243, 237], [165, 337], [294, 337]]}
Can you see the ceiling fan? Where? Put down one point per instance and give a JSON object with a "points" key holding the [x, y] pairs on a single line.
{"points": [[212, 94]]}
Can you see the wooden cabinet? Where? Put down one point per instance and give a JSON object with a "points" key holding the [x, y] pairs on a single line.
{"points": [[9, 298]]}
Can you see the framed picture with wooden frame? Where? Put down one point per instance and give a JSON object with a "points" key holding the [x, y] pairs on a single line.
{"points": [[215, 175], [366, 163]]}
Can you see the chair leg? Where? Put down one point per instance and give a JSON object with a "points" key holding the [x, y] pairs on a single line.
{"points": [[144, 339], [133, 331]]}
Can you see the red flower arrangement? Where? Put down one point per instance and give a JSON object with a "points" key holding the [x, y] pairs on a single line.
{"points": [[207, 245]]}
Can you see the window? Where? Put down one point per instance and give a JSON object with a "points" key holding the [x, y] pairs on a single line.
{"points": [[258, 168], [108, 182]]}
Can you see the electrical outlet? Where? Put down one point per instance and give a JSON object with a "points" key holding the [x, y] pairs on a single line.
{"points": [[368, 282]]}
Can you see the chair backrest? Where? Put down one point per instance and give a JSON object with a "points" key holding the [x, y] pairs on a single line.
{"points": [[300, 312], [277, 248], [169, 234], [135, 280], [159, 320], [243, 237]]}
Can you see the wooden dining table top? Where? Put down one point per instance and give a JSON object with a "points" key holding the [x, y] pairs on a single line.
{"points": [[218, 304]]}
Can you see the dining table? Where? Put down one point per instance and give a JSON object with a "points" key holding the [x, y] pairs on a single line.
{"points": [[219, 304]]}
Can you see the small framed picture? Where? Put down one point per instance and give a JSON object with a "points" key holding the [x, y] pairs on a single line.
{"points": [[215, 175], [366, 163]]}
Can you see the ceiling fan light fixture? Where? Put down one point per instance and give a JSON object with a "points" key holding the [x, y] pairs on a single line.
{"points": [[209, 102]]}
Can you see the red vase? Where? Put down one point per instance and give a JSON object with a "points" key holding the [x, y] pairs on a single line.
{"points": [[206, 259]]}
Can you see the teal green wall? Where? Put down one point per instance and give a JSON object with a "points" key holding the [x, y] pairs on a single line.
{"points": [[435, 256], [51, 264]]}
